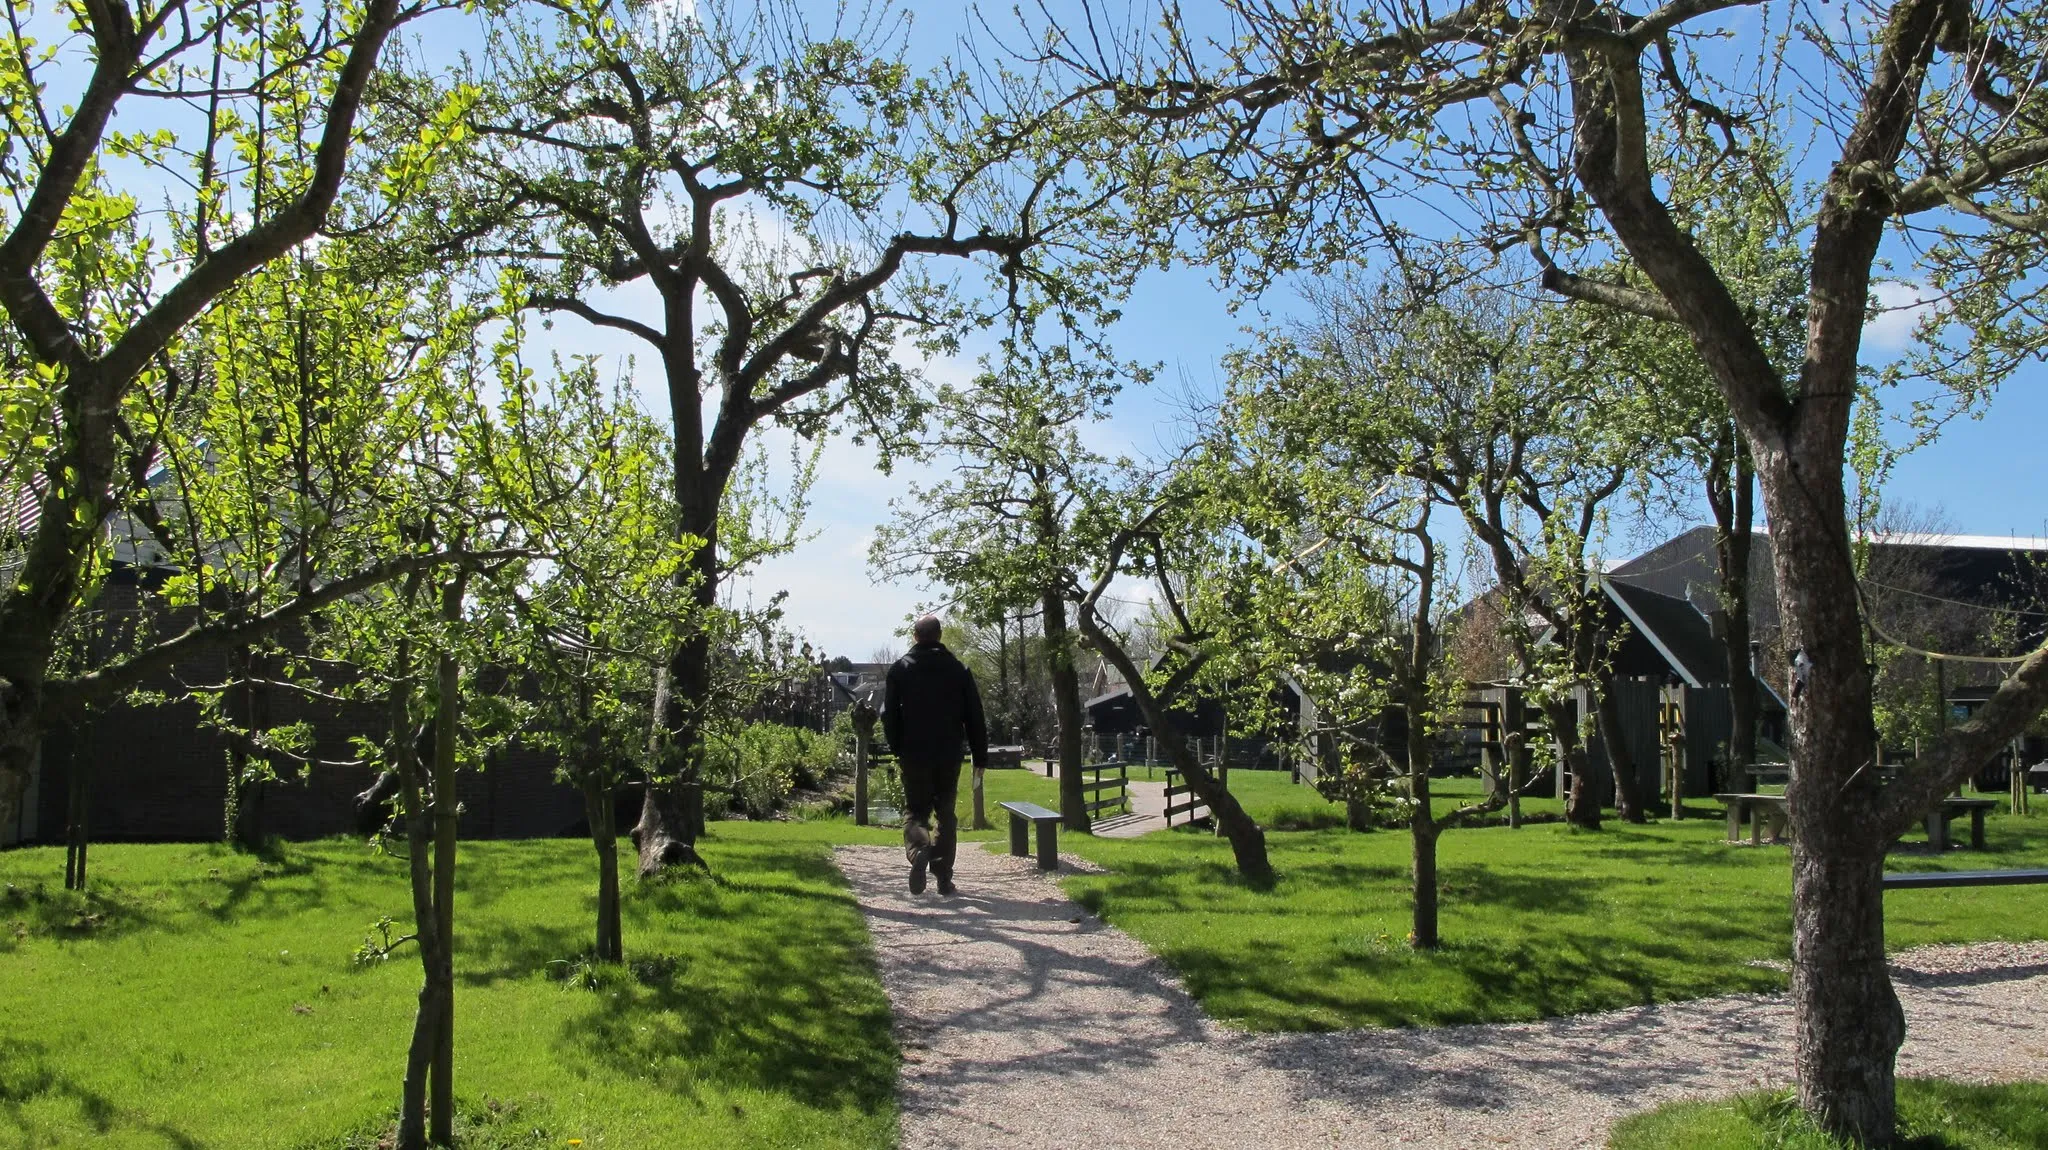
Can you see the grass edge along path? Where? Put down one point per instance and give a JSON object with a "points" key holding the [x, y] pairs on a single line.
{"points": [[205, 998], [1542, 922], [1934, 1114]]}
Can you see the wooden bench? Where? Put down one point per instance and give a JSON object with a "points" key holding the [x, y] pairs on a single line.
{"points": [[1024, 816], [1915, 880], [1938, 820], [1756, 808]]}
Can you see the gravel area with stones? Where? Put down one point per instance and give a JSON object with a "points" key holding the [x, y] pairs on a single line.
{"points": [[1025, 1021]]}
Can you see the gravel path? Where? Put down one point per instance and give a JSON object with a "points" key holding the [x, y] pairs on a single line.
{"points": [[1026, 1021]]}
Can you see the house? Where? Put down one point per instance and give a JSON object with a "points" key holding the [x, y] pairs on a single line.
{"points": [[1968, 594], [155, 771], [1118, 728], [1669, 655]]}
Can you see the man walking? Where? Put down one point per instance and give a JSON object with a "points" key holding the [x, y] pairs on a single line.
{"points": [[930, 709]]}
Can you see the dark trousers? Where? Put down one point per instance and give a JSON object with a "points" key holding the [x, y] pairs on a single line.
{"points": [[929, 789]]}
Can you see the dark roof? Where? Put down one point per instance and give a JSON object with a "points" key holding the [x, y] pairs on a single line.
{"points": [[1678, 632], [1682, 638], [1106, 696], [851, 686], [1985, 571], [1686, 566], [22, 509]]}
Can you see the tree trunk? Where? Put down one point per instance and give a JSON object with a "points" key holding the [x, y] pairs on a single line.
{"points": [[1629, 803], [1422, 825], [1582, 805], [598, 808], [77, 835], [1247, 841], [1735, 515], [447, 720], [426, 1029], [1847, 1021], [672, 811], [21, 738], [1066, 697]]}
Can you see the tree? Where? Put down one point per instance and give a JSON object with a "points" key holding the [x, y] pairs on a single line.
{"points": [[416, 648], [586, 476], [1538, 127], [1342, 581], [786, 198], [1148, 527], [1501, 423], [999, 534], [97, 303]]}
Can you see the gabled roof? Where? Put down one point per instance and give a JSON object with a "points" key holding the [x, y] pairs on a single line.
{"points": [[1677, 632]]}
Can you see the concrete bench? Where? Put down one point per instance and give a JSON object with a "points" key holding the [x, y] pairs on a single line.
{"points": [[1757, 809], [1914, 880], [1024, 816], [1938, 819]]}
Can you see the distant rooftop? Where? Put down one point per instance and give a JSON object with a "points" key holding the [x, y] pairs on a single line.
{"points": [[1973, 542]]}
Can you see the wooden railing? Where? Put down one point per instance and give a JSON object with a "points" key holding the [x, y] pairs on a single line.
{"points": [[1178, 788], [1096, 778]]}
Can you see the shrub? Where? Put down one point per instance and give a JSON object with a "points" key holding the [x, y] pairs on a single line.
{"points": [[758, 764]]}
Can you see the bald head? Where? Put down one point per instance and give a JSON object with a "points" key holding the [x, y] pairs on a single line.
{"points": [[925, 630]]}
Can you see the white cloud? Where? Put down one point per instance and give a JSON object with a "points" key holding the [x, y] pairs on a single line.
{"points": [[1900, 306]]}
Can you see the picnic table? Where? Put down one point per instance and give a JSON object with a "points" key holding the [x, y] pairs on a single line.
{"points": [[1759, 809]]}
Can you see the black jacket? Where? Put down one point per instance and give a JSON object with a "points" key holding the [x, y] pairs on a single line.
{"points": [[931, 707]]}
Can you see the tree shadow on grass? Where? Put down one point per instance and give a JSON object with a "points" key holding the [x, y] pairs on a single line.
{"points": [[27, 1078], [499, 951], [781, 998], [42, 911]]}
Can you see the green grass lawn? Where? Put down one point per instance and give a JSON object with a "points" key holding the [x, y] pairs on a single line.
{"points": [[1538, 922], [205, 998], [1276, 802], [1933, 1115], [202, 998]]}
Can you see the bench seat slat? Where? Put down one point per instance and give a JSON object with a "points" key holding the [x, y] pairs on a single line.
{"points": [[1032, 811], [1940, 878]]}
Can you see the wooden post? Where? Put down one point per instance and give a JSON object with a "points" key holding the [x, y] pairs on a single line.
{"points": [[1672, 716], [2017, 777], [1514, 739], [980, 814], [863, 747]]}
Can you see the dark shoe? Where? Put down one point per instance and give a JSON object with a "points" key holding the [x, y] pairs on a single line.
{"points": [[947, 889], [920, 857]]}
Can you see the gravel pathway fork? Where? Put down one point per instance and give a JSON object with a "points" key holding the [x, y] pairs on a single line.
{"points": [[1025, 1021]]}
